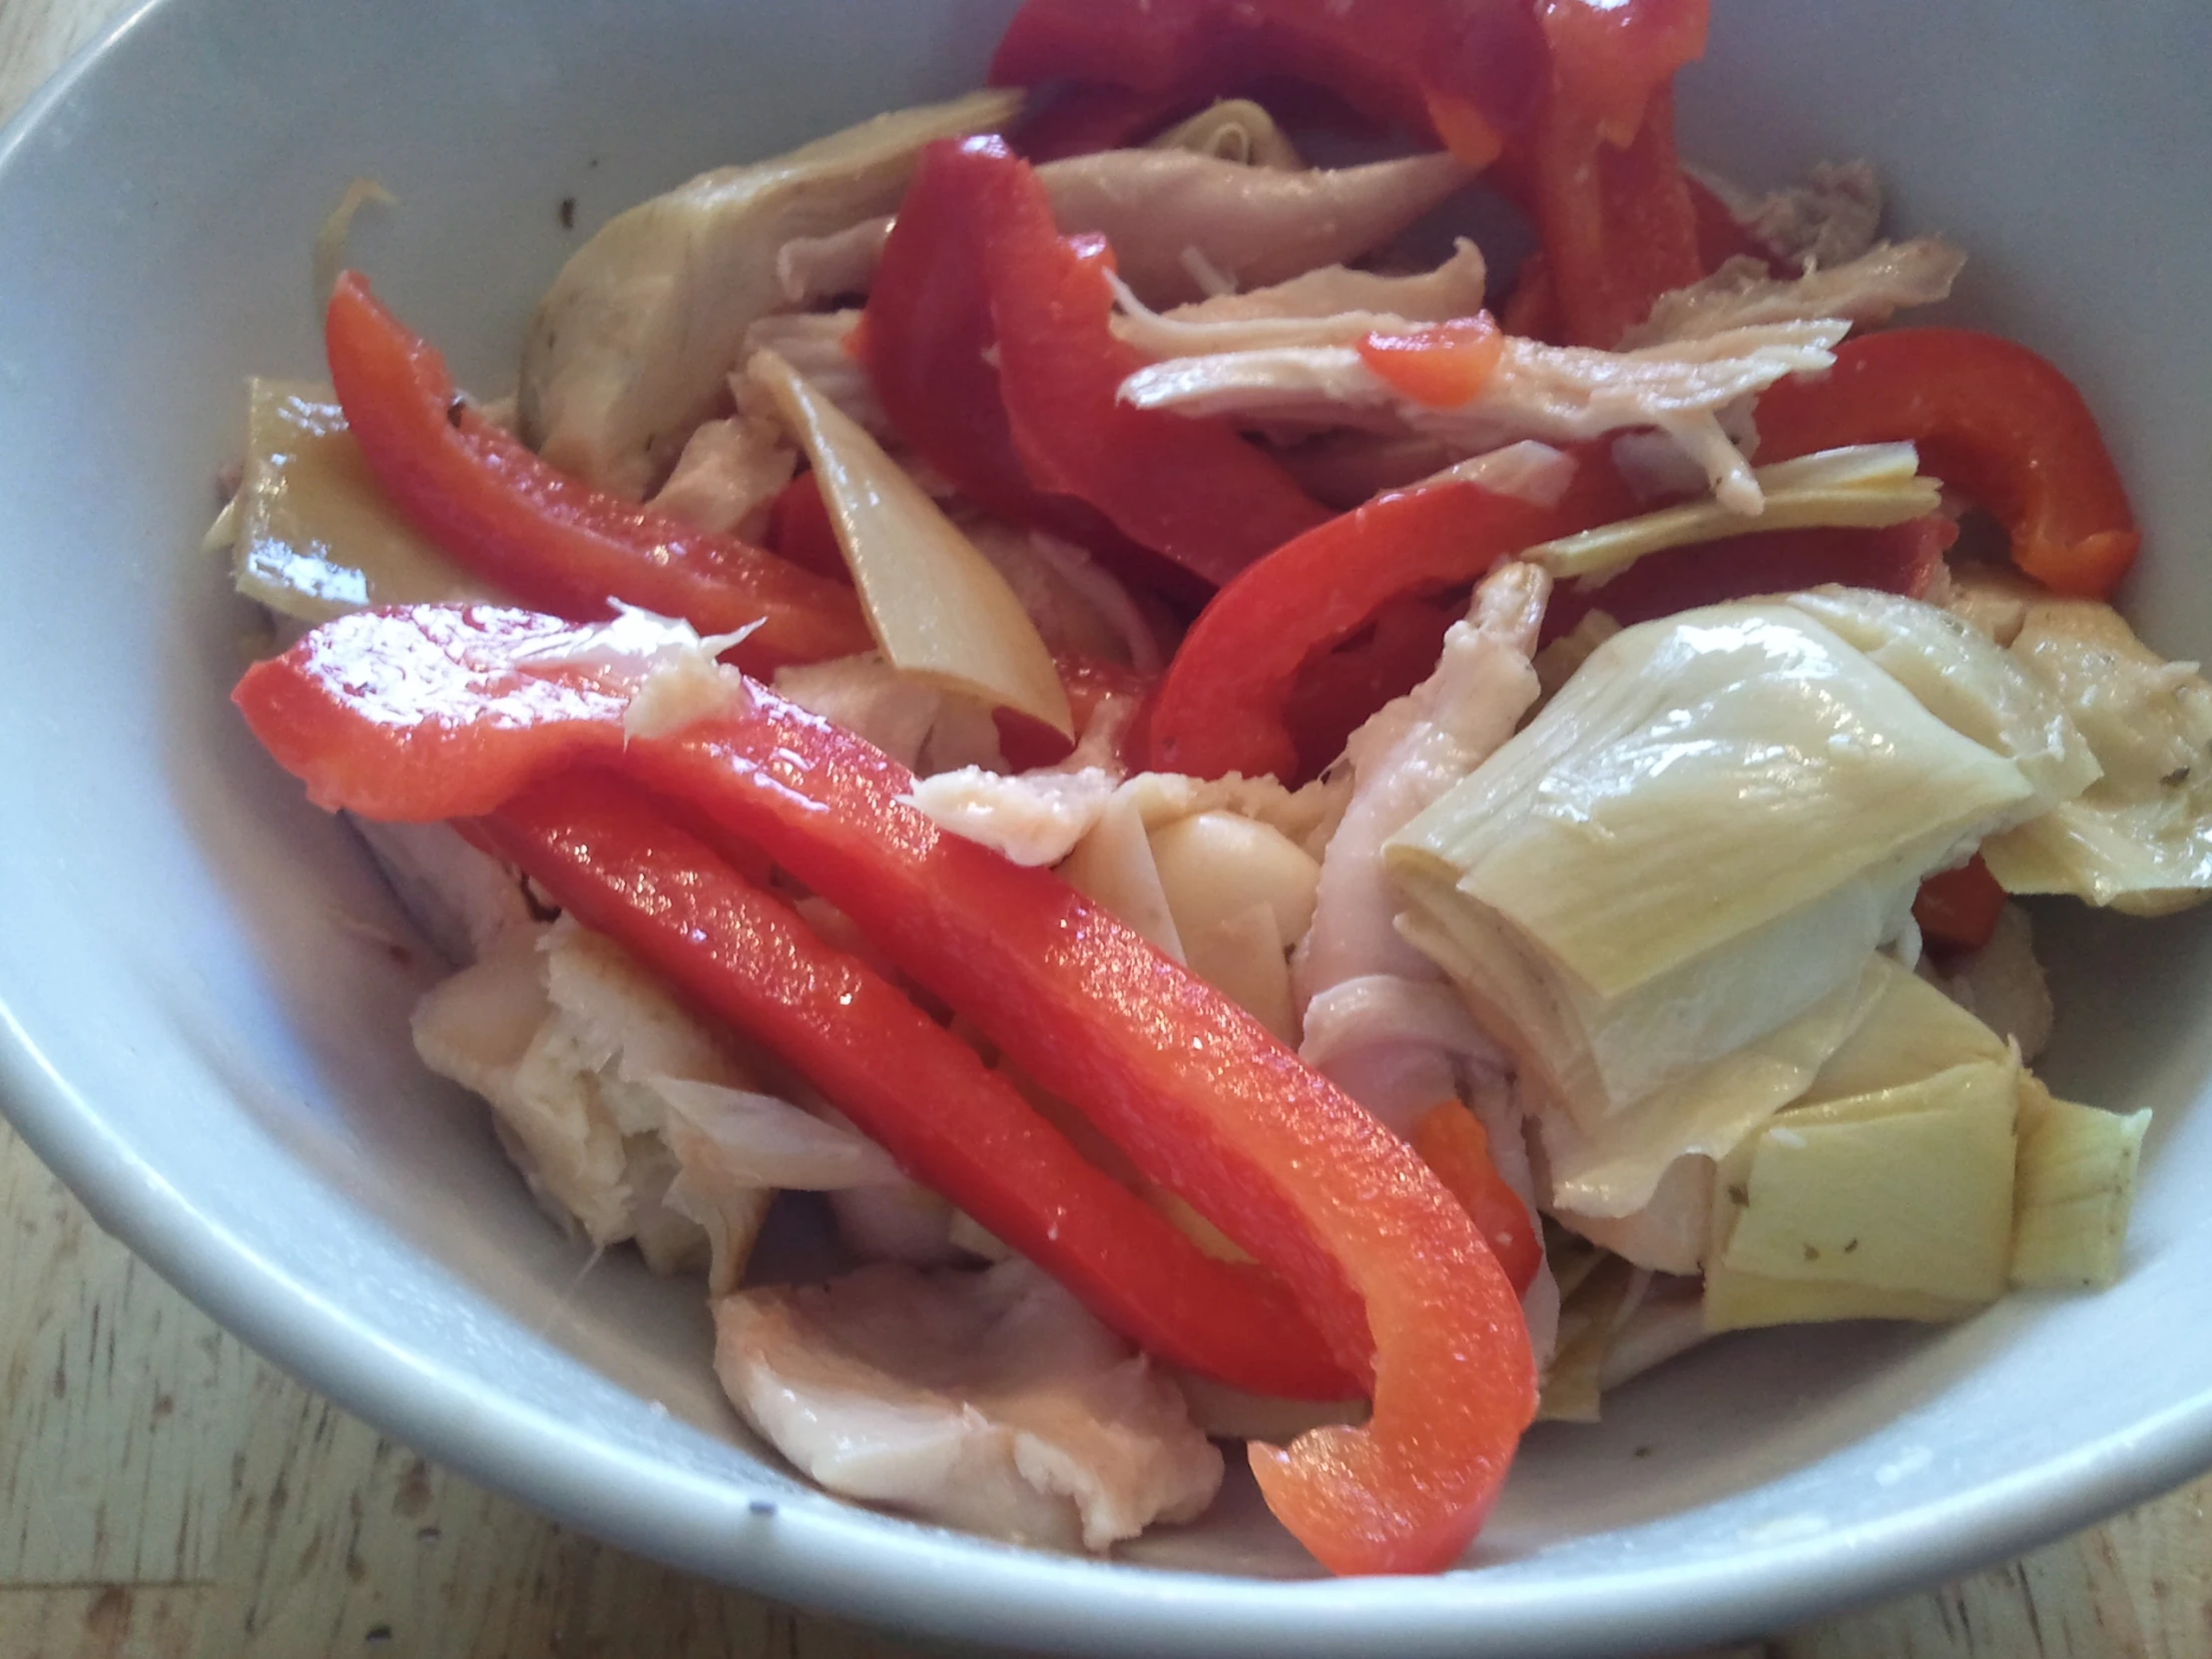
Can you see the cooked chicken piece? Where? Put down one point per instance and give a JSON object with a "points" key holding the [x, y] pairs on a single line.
{"points": [[988, 1401], [1077, 604], [814, 270], [466, 901], [1832, 218], [1333, 306], [816, 345], [868, 697], [1559, 395], [1033, 817], [573, 1044], [628, 350], [1402, 759], [2002, 985], [896, 1221], [728, 476], [1867, 290], [1186, 226]]}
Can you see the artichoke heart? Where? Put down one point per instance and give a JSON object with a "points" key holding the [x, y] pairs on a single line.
{"points": [[315, 537], [1896, 1204], [1701, 840], [2141, 838], [2075, 1187]]}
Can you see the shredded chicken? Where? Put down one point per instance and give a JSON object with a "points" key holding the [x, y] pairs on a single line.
{"points": [[1378, 1017], [466, 901], [1560, 395], [2002, 985], [1832, 218], [814, 270], [568, 1038], [728, 476], [1032, 817], [1867, 292], [989, 1401], [817, 345], [1167, 210], [1333, 306]]}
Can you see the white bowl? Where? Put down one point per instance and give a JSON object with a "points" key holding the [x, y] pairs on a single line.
{"points": [[215, 1060]]}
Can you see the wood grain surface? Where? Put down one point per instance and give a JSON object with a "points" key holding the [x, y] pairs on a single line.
{"points": [[166, 1493]]}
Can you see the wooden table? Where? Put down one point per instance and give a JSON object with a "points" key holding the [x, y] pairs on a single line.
{"points": [[163, 1492]]}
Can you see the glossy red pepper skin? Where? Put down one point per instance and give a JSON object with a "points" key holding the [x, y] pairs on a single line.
{"points": [[1224, 703], [633, 873], [1381, 1258], [547, 539], [1993, 420], [1043, 437]]}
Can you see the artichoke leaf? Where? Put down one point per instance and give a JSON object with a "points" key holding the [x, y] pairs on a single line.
{"points": [[941, 612], [2074, 1188], [313, 534]]}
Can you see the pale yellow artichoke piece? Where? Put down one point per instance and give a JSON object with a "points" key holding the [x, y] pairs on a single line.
{"points": [[1906, 1190], [2073, 1191], [313, 534]]}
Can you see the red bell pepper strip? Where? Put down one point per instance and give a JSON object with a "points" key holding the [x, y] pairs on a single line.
{"points": [[1959, 908], [1088, 681], [1381, 1258], [1224, 703], [1617, 222], [1442, 366], [1899, 558], [1609, 57], [1337, 691], [546, 538], [1453, 1142], [1993, 420], [800, 529], [632, 873], [1387, 59], [1043, 437]]}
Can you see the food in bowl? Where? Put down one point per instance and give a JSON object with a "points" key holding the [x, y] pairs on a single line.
{"points": [[1235, 777]]}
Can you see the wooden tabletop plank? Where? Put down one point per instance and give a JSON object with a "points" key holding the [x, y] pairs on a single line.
{"points": [[165, 1494]]}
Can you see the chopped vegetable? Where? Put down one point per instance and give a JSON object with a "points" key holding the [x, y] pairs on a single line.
{"points": [[1223, 705], [628, 350], [1988, 417], [508, 518], [1904, 1193], [1443, 365], [937, 607], [1868, 487], [312, 536], [1377, 1252], [2075, 1186], [1958, 909], [1452, 1141]]}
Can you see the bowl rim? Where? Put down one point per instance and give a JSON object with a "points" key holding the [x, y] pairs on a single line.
{"points": [[861, 1563]]}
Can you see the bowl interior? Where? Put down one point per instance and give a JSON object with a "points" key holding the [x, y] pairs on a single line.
{"points": [[207, 989]]}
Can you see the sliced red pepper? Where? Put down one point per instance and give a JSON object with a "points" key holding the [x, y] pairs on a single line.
{"points": [[800, 529], [1993, 420], [634, 874], [546, 538], [1385, 58], [1959, 908], [1337, 691], [1043, 437], [1224, 702], [1900, 558], [1453, 1142], [1531, 311], [1442, 366], [1088, 681], [1617, 222], [1201, 1097], [1610, 57]]}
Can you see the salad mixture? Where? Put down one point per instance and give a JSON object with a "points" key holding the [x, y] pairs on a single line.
{"points": [[1308, 846]]}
